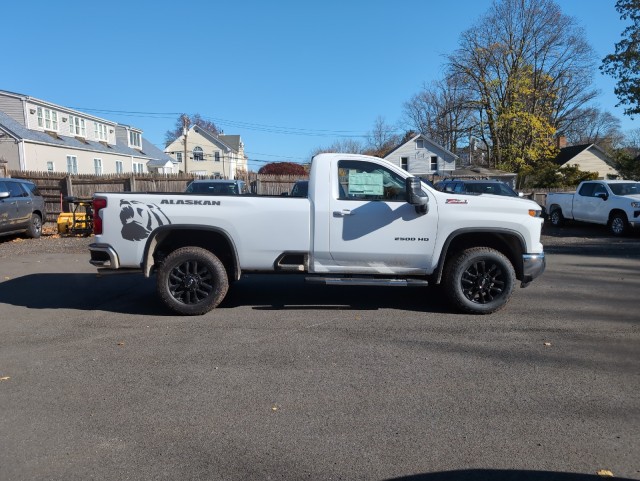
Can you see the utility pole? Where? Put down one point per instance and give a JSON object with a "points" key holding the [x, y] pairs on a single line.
{"points": [[185, 131]]}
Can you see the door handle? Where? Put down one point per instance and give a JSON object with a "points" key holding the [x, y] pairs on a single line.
{"points": [[342, 213]]}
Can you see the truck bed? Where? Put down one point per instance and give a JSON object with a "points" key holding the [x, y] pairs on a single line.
{"points": [[262, 227]]}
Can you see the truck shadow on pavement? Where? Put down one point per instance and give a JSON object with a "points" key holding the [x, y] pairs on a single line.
{"points": [[87, 292], [503, 475], [133, 294], [283, 292]]}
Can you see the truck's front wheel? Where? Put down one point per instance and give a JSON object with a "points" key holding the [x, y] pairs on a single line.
{"points": [[618, 224], [192, 281], [479, 280]]}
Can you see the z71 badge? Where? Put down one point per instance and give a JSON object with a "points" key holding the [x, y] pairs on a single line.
{"points": [[456, 201]]}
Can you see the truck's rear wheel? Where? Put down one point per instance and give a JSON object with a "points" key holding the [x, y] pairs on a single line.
{"points": [[479, 280], [556, 217], [192, 281]]}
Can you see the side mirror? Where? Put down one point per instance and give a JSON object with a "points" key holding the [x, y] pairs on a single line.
{"points": [[415, 196], [602, 195], [4, 195]]}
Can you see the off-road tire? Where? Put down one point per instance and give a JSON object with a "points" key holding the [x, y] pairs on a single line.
{"points": [[192, 281], [35, 227], [479, 280]]}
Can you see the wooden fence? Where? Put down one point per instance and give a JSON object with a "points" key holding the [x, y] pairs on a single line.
{"points": [[54, 187]]}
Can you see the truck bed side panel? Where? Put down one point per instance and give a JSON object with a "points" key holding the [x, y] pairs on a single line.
{"points": [[261, 227]]}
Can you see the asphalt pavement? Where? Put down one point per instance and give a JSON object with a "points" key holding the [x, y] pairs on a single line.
{"points": [[287, 380]]}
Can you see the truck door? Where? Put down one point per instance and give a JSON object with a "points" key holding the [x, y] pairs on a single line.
{"points": [[372, 228], [588, 204]]}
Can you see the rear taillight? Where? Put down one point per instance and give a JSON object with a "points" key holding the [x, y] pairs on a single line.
{"points": [[98, 204]]}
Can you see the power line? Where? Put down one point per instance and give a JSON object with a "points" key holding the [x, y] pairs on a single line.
{"points": [[236, 123]]}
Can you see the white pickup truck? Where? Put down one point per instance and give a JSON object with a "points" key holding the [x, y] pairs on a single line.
{"points": [[615, 203], [364, 222]]}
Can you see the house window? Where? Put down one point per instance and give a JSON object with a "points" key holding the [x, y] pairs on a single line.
{"points": [[97, 166], [47, 119], [179, 156], [135, 139], [404, 163], [138, 167], [420, 144], [217, 156], [198, 154], [76, 126], [50, 167], [100, 131], [72, 164], [119, 168], [434, 163]]}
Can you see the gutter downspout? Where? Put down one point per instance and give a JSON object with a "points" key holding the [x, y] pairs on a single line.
{"points": [[22, 156]]}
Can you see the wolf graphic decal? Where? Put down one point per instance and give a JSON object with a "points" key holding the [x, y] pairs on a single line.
{"points": [[139, 219]]}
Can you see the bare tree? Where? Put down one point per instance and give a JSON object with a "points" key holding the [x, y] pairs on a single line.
{"points": [[381, 139], [632, 139], [349, 146], [195, 119], [441, 111], [594, 126], [528, 60]]}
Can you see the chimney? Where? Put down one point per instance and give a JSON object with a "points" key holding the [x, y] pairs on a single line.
{"points": [[561, 141]]}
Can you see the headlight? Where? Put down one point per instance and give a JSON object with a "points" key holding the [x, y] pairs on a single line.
{"points": [[635, 205], [535, 212]]}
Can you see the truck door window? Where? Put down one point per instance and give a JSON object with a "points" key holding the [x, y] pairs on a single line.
{"points": [[368, 181], [587, 190]]}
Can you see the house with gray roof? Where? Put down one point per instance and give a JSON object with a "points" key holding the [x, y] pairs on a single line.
{"points": [[37, 135], [421, 156], [208, 154], [587, 157]]}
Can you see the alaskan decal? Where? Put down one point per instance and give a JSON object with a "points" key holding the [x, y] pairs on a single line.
{"points": [[189, 202], [456, 201], [139, 219]]}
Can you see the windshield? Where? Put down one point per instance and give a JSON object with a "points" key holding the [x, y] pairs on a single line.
{"points": [[626, 188]]}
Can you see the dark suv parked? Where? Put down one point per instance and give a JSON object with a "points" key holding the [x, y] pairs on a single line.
{"points": [[21, 208], [495, 187], [217, 186]]}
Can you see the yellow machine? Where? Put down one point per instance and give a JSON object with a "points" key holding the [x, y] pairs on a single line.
{"points": [[76, 222]]}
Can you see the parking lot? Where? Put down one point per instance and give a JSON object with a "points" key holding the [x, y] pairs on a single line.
{"points": [[292, 381]]}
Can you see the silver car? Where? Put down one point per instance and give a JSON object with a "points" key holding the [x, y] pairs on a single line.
{"points": [[21, 208]]}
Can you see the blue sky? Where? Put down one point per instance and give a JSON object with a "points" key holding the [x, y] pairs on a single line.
{"points": [[288, 76]]}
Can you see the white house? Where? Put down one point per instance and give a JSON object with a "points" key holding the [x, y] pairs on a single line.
{"points": [[208, 154], [42, 136], [421, 156]]}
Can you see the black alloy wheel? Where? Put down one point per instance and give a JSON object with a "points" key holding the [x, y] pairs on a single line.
{"points": [[479, 280], [192, 281]]}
